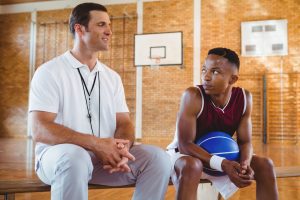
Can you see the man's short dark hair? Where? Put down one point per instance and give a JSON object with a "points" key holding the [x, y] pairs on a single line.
{"points": [[230, 55], [81, 14]]}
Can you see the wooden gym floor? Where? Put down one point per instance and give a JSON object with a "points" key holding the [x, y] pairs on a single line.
{"points": [[17, 162]]}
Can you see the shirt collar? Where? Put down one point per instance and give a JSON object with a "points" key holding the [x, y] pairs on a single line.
{"points": [[77, 64]]}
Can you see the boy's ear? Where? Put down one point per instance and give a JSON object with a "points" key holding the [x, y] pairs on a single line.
{"points": [[233, 79]]}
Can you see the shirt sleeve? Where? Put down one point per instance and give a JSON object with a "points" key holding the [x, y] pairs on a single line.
{"points": [[44, 92], [120, 100]]}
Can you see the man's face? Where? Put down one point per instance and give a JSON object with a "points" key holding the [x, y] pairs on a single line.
{"points": [[217, 74], [98, 33]]}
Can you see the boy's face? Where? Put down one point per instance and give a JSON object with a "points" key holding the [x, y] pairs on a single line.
{"points": [[217, 74]]}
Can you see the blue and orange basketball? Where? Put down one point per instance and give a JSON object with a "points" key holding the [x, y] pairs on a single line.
{"points": [[220, 144]]}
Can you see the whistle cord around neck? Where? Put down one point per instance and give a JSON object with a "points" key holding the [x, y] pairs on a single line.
{"points": [[86, 91], [99, 87]]}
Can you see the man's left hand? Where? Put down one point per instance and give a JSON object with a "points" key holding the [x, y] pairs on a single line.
{"points": [[122, 166]]}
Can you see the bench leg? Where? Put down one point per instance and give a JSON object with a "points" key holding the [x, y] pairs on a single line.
{"points": [[219, 196], [207, 192], [9, 196]]}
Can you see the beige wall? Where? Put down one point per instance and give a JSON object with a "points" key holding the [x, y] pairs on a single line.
{"points": [[162, 88], [14, 73], [221, 26]]}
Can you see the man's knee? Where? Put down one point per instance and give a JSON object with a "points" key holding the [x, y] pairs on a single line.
{"points": [[74, 161], [157, 158]]}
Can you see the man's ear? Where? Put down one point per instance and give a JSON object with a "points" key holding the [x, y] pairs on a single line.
{"points": [[79, 29], [233, 79]]}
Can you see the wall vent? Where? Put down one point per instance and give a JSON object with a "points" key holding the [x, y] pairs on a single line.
{"points": [[264, 38]]}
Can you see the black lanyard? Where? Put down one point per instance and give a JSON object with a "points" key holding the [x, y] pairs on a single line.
{"points": [[88, 104]]}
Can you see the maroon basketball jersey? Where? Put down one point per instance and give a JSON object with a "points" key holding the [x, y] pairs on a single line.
{"points": [[212, 118]]}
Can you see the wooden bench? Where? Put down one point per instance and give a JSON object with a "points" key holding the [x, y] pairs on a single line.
{"points": [[285, 172], [9, 188]]}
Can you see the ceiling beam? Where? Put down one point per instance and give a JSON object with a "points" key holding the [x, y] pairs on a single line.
{"points": [[56, 5]]}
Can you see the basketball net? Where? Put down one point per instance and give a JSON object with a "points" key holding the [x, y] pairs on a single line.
{"points": [[155, 62]]}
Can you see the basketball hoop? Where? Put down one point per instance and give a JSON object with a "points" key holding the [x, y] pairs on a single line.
{"points": [[155, 62]]}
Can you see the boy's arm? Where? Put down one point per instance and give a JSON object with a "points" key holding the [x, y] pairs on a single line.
{"points": [[244, 132], [190, 106], [242, 174]]}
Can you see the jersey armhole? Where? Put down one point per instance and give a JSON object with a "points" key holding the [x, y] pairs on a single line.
{"points": [[202, 106], [245, 101]]}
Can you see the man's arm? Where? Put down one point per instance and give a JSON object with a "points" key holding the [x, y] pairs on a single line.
{"points": [[190, 106], [45, 130], [125, 128]]}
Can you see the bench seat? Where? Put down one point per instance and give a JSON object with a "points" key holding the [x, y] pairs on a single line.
{"points": [[8, 188]]}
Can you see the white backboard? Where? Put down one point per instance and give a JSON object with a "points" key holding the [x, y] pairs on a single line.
{"points": [[165, 46], [264, 38]]}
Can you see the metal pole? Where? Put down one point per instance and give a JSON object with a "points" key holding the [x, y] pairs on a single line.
{"points": [[265, 109], [139, 77], [32, 55]]}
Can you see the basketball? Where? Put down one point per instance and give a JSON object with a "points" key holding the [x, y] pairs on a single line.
{"points": [[220, 144]]}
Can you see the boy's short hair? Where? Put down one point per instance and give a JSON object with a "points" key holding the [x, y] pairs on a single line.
{"points": [[81, 14], [230, 55]]}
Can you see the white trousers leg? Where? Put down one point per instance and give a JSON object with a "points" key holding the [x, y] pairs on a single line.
{"points": [[68, 169], [150, 172]]}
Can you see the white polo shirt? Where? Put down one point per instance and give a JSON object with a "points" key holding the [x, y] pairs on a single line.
{"points": [[56, 87]]}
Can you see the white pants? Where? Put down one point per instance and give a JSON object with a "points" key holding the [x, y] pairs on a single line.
{"points": [[69, 168], [221, 183]]}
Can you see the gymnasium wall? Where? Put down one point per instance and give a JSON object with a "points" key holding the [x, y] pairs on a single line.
{"points": [[162, 88], [53, 35], [221, 21], [14, 73], [221, 26]]}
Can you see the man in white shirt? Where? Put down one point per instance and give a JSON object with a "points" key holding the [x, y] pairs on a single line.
{"points": [[80, 120]]}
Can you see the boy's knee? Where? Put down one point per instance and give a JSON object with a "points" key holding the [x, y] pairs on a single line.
{"points": [[269, 163], [189, 167], [264, 169], [266, 164]]}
